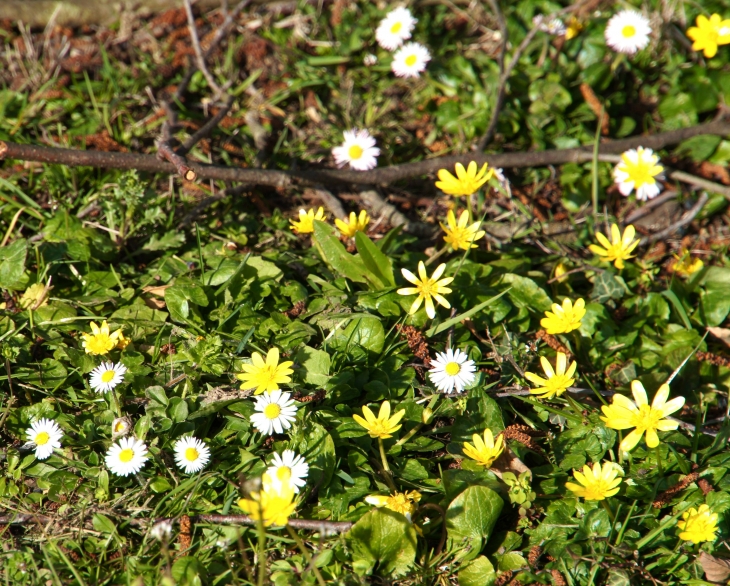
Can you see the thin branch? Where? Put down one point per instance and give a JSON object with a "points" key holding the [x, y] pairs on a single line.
{"points": [[377, 176], [199, 57], [166, 152], [392, 215], [649, 205], [323, 527], [331, 202], [206, 129], [686, 219]]}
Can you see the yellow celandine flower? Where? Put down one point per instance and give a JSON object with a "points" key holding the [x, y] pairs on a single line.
{"points": [[620, 247], [623, 413], [123, 341], [383, 426], [709, 33], [100, 341], [404, 503], [484, 451], [427, 288], [698, 525], [686, 265], [573, 27], [461, 235], [596, 484], [271, 505], [265, 376], [305, 225], [560, 270], [565, 318], [356, 224], [557, 381], [466, 182]]}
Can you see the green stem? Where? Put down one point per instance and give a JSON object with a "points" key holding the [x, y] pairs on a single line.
{"points": [[575, 406], [606, 506], [418, 427], [659, 460], [261, 579], [307, 557], [386, 468], [437, 255], [115, 403], [621, 531]]}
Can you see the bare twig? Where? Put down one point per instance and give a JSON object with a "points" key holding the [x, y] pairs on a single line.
{"points": [[323, 527], [710, 186], [331, 202], [649, 205], [382, 176], [165, 150], [199, 57], [392, 215], [206, 129], [686, 218]]}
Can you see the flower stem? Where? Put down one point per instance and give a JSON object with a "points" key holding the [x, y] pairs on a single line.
{"points": [[659, 460], [418, 427], [307, 557], [261, 578], [382, 456], [575, 406], [438, 254], [606, 506], [115, 403]]}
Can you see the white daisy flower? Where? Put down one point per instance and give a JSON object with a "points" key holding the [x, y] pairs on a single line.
{"points": [[395, 28], [553, 27], [358, 150], [288, 468], [126, 456], [452, 370], [46, 436], [275, 412], [191, 454], [410, 60], [161, 531], [107, 376], [121, 426], [628, 31], [638, 171]]}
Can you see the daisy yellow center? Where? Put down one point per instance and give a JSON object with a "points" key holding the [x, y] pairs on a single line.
{"points": [[283, 473], [596, 490], [272, 411], [646, 418], [107, 376], [42, 438], [396, 27], [355, 151], [191, 454], [126, 455], [452, 368], [411, 60], [121, 426], [628, 31]]}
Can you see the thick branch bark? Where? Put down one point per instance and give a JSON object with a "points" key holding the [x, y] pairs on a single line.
{"points": [[382, 176]]}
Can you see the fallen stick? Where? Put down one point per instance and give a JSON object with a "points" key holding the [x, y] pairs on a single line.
{"points": [[381, 176]]}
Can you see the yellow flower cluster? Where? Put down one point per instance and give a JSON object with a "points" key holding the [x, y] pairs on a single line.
{"points": [[305, 224], [709, 34], [273, 504], [100, 341]]}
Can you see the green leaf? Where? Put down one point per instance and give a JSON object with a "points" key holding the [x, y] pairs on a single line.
{"points": [[178, 409], [526, 293], [318, 449], [386, 538], [335, 254], [473, 514], [479, 572], [366, 332], [157, 394], [178, 299], [103, 524], [607, 286], [12, 263], [375, 261], [462, 316], [214, 407], [170, 239], [315, 365]]}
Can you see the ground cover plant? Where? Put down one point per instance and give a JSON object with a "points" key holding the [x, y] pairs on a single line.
{"points": [[350, 293]]}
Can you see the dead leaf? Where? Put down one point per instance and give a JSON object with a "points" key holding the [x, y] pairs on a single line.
{"points": [[154, 303], [722, 334], [508, 462], [716, 569], [158, 290]]}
